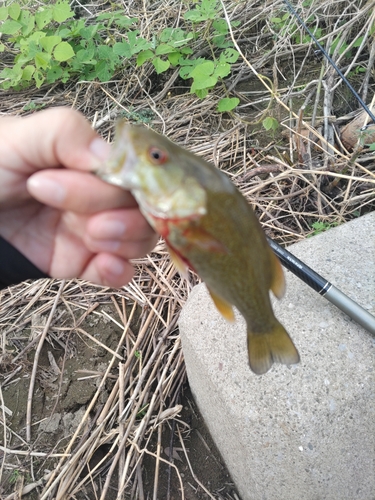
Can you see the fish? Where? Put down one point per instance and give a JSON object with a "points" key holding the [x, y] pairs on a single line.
{"points": [[209, 227]]}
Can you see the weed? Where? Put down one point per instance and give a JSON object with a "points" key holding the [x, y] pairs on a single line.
{"points": [[270, 123], [320, 227], [47, 45]]}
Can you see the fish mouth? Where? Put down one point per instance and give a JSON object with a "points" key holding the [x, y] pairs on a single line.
{"points": [[120, 168]]}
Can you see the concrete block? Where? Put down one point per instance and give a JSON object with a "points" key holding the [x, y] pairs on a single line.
{"points": [[308, 430]]}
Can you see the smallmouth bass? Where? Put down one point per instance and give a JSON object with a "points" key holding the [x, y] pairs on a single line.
{"points": [[208, 226]]}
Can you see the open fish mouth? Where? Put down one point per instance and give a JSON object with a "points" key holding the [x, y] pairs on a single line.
{"points": [[120, 168]]}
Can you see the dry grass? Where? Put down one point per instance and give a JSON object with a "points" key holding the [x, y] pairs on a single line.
{"points": [[292, 179]]}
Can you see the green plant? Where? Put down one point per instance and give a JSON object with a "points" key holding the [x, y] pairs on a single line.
{"points": [[320, 227], [270, 123], [15, 475], [32, 106], [47, 45], [175, 49]]}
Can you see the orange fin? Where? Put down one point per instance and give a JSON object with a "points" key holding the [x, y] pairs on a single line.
{"points": [[278, 279], [204, 240], [181, 266], [224, 308], [266, 348]]}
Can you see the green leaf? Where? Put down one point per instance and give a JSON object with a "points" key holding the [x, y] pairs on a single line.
{"points": [[14, 11], [39, 78], [203, 69], [49, 42], [206, 83], [229, 56], [86, 56], [64, 32], [174, 58], [203, 12], [186, 50], [164, 48], [270, 123], [42, 60], [220, 25], [63, 51], [54, 73], [123, 21], [103, 72], [358, 42], [43, 17], [122, 49], [201, 93], [105, 52], [144, 56], [3, 13], [176, 37], [27, 21], [137, 44], [28, 72], [160, 65], [10, 27], [29, 51], [2, 47], [13, 74], [220, 41], [88, 32], [222, 70], [227, 104], [61, 11]]}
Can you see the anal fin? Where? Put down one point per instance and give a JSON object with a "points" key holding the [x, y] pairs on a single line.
{"points": [[224, 308], [278, 279]]}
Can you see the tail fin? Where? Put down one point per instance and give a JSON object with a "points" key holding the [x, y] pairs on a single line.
{"points": [[266, 348]]}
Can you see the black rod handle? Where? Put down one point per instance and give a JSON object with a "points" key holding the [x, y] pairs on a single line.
{"points": [[324, 287]]}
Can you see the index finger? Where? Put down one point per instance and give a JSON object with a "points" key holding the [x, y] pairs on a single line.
{"points": [[52, 138], [75, 191]]}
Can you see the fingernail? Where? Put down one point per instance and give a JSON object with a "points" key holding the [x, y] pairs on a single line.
{"points": [[111, 230], [106, 246], [100, 149], [46, 189], [116, 268]]}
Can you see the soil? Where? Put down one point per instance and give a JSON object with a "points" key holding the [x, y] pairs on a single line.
{"points": [[61, 395]]}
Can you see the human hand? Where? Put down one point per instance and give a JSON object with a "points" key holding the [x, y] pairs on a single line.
{"points": [[66, 221]]}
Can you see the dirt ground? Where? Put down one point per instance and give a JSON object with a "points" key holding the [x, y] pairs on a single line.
{"points": [[61, 395]]}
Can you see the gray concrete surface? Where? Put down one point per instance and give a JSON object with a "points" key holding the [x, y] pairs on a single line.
{"points": [[306, 431]]}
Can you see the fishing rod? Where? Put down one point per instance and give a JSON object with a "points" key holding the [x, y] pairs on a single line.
{"points": [[332, 63], [295, 265], [324, 287]]}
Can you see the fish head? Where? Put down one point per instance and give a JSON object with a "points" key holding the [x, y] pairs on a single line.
{"points": [[154, 170]]}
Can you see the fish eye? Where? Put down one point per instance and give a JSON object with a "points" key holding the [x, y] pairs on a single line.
{"points": [[157, 156]]}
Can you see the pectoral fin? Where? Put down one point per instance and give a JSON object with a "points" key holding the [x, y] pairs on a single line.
{"points": [[204, 240], [181, 266], [278, 279], [224, 308]]}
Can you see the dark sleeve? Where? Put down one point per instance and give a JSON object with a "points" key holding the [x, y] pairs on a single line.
{"points": [[15, 267]]}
